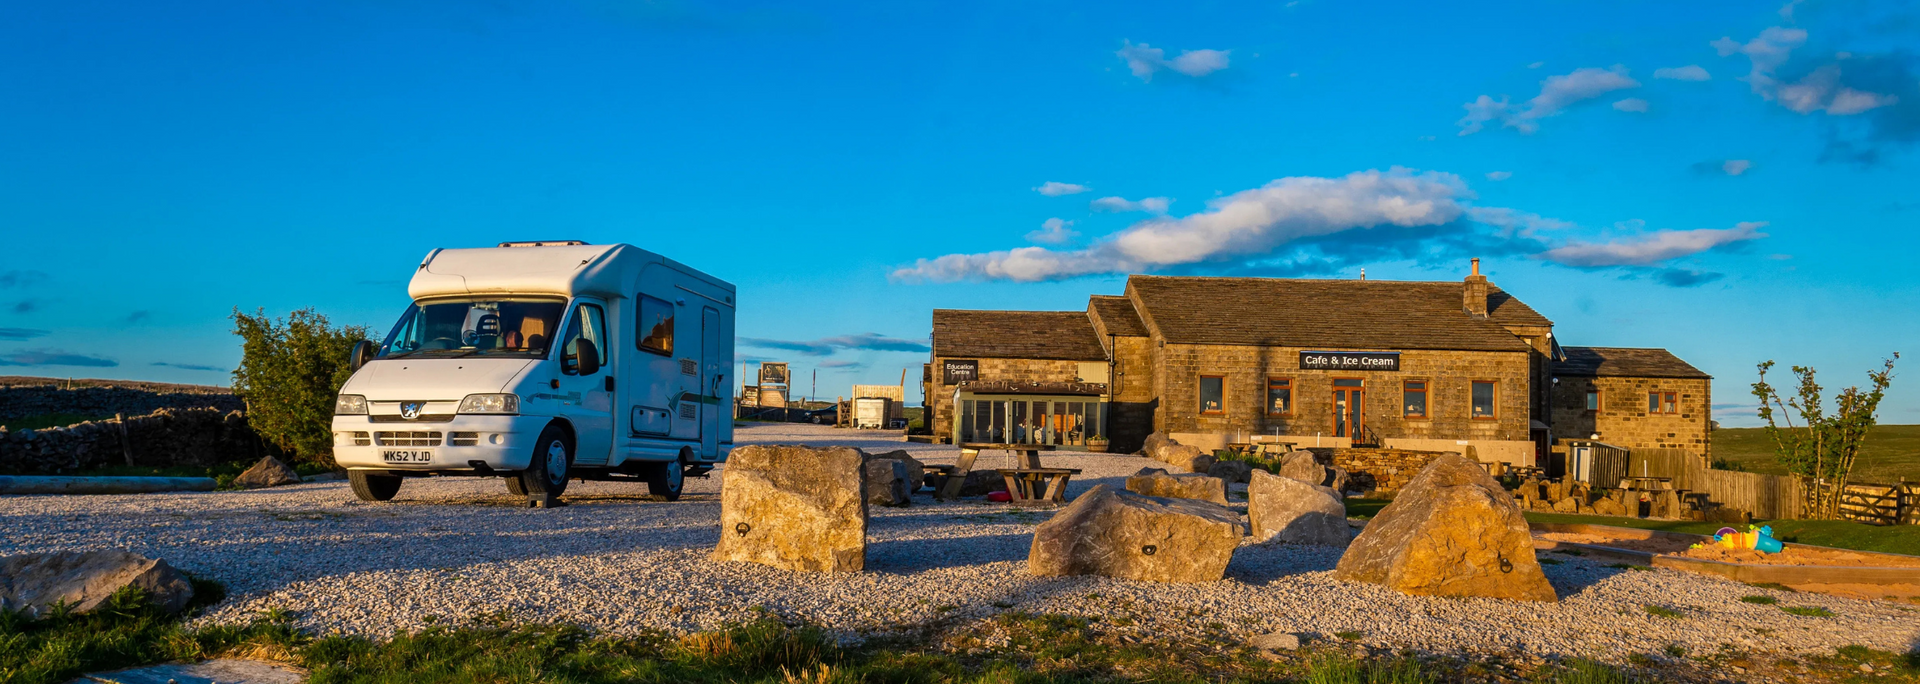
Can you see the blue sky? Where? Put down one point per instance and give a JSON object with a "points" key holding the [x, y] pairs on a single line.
{"points": [[1733, 181]]}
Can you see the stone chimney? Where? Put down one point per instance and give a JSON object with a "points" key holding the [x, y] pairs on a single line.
{"points": [[1474, 295]]}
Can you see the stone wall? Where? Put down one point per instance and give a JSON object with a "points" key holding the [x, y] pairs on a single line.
{"points": [[1383, 470], [28, 397], [1449, 376], [167, 437], [940, 398], [1130, 416], [1623, 419]]}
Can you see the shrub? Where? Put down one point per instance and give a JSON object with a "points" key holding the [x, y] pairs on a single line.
{"points": [[290, 370]]}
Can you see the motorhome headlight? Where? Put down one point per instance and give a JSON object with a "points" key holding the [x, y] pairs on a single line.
{"points": [[490, 403], [350, 405]]}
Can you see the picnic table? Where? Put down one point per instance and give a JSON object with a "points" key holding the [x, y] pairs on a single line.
{"points": [[956, 475], [1038, 486], [1646, 484]]}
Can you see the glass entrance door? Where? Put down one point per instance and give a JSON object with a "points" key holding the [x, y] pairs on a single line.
{"points": [[1348, 400]]}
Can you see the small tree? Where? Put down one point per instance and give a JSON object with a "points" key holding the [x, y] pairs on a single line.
{"points": [[290, 371], [1823, 447]]}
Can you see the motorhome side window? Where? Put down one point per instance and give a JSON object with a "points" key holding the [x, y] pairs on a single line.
{"points": [[487, 327], [590, 323], [655, 326]]}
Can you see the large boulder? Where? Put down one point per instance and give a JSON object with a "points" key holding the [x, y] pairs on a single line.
{"points": [[1151, 446], [269, 472], [916, 471], [889, 482], [1303, 466], [1187, 458], [980, 482], [1452, 531], [1157, 482], [1231, 471], [1284, 509], [794, 507], [32, 583], [1117, 533]]}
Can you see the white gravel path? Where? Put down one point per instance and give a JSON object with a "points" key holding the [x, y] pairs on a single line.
{"points": [[451, 550]]}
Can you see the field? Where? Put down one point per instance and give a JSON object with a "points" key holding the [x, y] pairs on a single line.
{"points": [[1891, 453]]}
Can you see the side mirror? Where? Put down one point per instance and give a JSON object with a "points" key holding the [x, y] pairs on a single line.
{"points": [[363, 352], [585, 357]]}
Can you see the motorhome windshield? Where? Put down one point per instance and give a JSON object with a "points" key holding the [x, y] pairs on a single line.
{"points": [[492, 327]]}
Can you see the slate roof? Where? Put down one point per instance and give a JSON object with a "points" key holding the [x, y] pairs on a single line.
{"points": [[1328, 314], [1063, 335], [1624, 362], [1118, 315]]}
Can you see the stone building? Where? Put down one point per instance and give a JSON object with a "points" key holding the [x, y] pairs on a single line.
{"points": [[1635, 398], [1333, 363]]}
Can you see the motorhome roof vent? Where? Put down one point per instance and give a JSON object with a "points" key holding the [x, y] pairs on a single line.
{"points": [[544, 243]]}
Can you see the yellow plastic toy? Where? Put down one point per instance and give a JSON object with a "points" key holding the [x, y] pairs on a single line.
{"points": [[1755, 538]]}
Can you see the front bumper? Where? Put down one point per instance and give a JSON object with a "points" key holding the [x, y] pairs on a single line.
{"points": [[498, 442]]}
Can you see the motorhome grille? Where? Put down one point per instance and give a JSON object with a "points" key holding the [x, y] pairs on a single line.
{"points": [[689, 367], [361, 438], [689, 410], [424, 418], [407, 439], [463, 438]]}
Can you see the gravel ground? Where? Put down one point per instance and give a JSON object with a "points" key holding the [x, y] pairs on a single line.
{"points": [[451, 550]]}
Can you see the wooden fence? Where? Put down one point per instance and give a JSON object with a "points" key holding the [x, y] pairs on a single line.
{"points": [[1881, 504], [1765, 496]]}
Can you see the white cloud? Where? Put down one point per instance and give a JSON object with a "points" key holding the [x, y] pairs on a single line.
{"points": [[1556, 94], [1513, 221], [1652, 248], [1053, 231], [1245, 225], [1151, 205], [1735, 167], [1499, 175], [1631, 104], [1056, 189], [1536, 65], [1145, 60], [1819, 90], [1690, 72]]}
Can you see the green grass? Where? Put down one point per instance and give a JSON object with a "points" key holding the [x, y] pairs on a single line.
{"points": [[1340, 668], [1807, 611], [1840, 534], [1583, 671], [1890, 452], [1663, 612], [1365, 509], [1760, 600], [50, 420]]}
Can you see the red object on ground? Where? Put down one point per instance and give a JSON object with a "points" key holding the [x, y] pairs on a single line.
{"points": [[1001, 497]]}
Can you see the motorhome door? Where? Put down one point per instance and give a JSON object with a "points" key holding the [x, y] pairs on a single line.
{"points": [[586, 399], [713, 376]]}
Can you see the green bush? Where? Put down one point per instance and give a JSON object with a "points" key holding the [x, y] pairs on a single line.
{"points": [[290, 370]]}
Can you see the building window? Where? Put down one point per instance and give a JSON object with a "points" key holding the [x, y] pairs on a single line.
{"points": [[1213, 394], [1414, 396], [1280, 397], [1483, 400], [1593, 400], [1659, 403]]}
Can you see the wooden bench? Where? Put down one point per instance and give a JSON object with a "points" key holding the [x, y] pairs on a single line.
{"points": [[954, 476], [1038, 486]]}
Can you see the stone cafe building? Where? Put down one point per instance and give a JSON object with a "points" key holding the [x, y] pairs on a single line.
{"points": [[1341, 363]]}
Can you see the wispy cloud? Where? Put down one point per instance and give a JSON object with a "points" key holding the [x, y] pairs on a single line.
{"points": [[140, 316], [1145, 61], [49, 357], [1735, 167], [828, 345], [1729, 167], [1053, 231], [1878, 90], [25, 306], [844, 365], [20, 278], [1056, 189], [21, 333], [1631, 104], [1151, 205], [189, 366], [1499, 175], [1556, 94], [1652, 248], [1690, 72]]}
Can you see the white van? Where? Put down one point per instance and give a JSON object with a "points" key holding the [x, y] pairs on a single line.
{"points": [[542, 362]]}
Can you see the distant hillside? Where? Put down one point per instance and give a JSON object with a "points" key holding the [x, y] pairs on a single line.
{"points": [[1892, 452], [142, 385]]}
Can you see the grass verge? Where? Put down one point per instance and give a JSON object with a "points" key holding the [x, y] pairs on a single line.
{"points": [[1839, 534]]}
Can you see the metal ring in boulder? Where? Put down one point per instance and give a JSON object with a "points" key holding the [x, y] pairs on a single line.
{"points": [[1505, 565], [1149, 549], [742, 529]]}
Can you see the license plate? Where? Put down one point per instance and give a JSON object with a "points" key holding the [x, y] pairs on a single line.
{"points": [[407, 455]]}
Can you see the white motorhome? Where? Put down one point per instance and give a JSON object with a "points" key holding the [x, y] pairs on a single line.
{"points": [[542, 362]]}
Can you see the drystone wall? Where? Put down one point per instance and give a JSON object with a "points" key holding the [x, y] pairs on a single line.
{"points": [[167, 437], [28, 397], [1382, 470]]}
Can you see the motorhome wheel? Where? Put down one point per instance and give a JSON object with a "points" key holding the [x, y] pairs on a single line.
{"points": [[546, 472], [669, 478], [371, 487]]}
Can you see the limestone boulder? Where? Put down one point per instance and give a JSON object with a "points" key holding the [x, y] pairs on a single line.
{"points": [[33, 583], [1337, 481], [1302, 466], [1608, 506], [269, 472], [1151, 446], [889, 482], [1567, 505], [794, 507], [1283, 509], [1117, 533], [1186, 458], [1231, 471], [1157, 482], [916, 471], [1451, 531], [983, 480]]}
